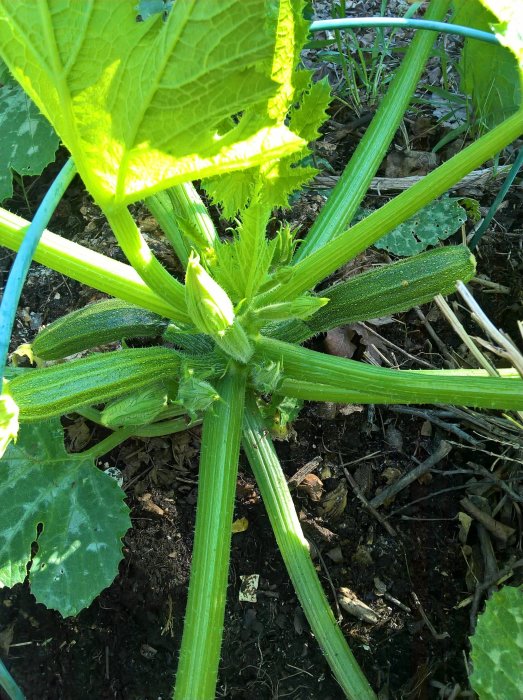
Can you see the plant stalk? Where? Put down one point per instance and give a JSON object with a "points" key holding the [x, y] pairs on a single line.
{"points": [[313, 376], [161, 208], [85, 266], [143, 260], [346, 197], [184, 219], [320, 264], [295, 552], [202, 634], [167, 427]]}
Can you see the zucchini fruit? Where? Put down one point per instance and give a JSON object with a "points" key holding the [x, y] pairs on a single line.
{"points": [[99, 323], [386, 290], [44, 393]]}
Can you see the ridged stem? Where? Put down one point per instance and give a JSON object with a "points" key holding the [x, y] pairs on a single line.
{"points": [[167, 427], [322, 263], [295, 552], [160, 206], [25, 254], [184, 219], [345, 199], [202, 633], [313, 376], [85, 266], [143, 260]]}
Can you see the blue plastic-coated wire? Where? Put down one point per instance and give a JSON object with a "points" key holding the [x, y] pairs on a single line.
{"points": [[7, 682], [18, 272], [514, 170], [353, 22]]}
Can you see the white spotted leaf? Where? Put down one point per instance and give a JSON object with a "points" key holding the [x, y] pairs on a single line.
{"points": [[435, 222], [497, 647], [27, 141], [73, 511]]}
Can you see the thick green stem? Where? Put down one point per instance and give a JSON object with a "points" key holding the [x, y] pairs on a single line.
{"points": [[202, 634], [108, 443], [188, 205], [333, 255], [166, 427], [316, 377], [119, 436], [342, 204], [86, 266], [295, 552], [184, 219], [160, 428], [161, 208], [143, 260]]}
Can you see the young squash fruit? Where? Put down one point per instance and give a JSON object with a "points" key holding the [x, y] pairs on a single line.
{"points": [[43, 393], [387, 290], [99, 323]]}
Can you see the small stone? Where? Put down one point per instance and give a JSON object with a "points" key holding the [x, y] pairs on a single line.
{"points": [[336, 555], [147, 651]]}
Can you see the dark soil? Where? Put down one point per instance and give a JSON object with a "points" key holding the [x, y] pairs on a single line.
{"points": [[125, 645]]}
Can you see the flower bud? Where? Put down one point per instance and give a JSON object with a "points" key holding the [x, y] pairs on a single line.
{"points": [[212, 311], [137, 408], [8, 421], [208, 304], [302, 307]]}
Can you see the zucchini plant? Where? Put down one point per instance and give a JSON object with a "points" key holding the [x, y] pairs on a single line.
{"points": [[209, 92]]}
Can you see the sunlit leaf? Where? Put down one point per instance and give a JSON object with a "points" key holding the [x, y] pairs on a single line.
{"points": [[490, 72], [145, 105]]}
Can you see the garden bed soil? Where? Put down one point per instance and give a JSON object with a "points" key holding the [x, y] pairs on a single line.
{"points": [[416, 581], [125, 645]]}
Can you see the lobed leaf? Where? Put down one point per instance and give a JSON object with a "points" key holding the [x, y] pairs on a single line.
{"points": [[145, 105], [489, 72], [27, 141], [73, 511], [509, 28], [435, 222], [300, 103]]}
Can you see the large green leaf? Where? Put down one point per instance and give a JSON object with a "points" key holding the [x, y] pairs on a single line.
{"points": [[489, 72], [497, 647], [300, 103], [81, 513], [509, 27], [145, 105]]}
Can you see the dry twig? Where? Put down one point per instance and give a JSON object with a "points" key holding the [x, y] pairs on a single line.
{"points": [[359, 495], [499, 530], [389, 492]]}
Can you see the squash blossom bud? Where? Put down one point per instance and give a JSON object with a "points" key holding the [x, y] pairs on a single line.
{"points": [[301, 308], [212, 311], [8, 420]]}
